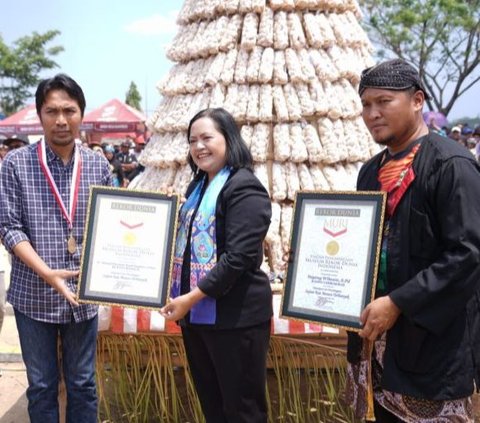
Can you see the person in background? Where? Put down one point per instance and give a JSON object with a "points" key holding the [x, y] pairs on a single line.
{"points": [[471, 144], [424, 322], [129, 141], [220, 295], [456, 134], [118, 175], [95, 143], [127, 160], [84, 138], [143, 131], [3, 152], [476, 136], [138, 146], [98, 150], [466, 130], [8, 144], [432, 125], [15, 141], [137, 151], [44, 190], [467, 136]]}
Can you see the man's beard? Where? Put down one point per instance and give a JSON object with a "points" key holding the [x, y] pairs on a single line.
{"points": [[389, 140], [62, 142]]}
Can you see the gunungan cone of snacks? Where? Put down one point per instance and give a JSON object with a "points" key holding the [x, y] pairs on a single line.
{"points": [[288, 71]]}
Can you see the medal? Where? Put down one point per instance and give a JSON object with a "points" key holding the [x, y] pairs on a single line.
{"points": [[74, 187], [332, 248], [71, 245]]}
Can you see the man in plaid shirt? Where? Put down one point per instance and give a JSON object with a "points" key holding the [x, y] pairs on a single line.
{"points": [[44, 191]]}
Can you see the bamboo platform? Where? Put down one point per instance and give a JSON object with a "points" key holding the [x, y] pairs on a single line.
{"points": [[144, 378]]}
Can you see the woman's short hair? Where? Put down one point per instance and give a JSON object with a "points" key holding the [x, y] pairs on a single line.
{"points": [[238, 154], [59, 82]]}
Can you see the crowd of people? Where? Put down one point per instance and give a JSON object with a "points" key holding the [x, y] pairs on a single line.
{"points": [[123, 157], [462, 133]]}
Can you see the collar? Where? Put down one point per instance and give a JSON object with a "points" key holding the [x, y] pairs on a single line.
{"points": [[53, 158], [400, 155]]}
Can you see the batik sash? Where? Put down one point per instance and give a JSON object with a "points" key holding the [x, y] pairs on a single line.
{"points": [[203, 243]]}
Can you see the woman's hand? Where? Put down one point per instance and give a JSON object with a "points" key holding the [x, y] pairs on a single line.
{"points": [[169, 191], [178, 307]]}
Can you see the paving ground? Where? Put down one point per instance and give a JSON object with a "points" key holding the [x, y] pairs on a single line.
{"points": [[13, 382]]}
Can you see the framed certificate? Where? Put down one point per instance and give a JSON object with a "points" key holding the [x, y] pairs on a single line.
{"points": [[128, 248], [335, 249]]}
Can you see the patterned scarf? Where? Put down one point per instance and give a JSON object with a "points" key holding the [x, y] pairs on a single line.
{"points": [[203, 244], [395, 176]]}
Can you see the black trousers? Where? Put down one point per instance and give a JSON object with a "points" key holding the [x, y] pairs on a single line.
{"points": [[228, 368], [382, 415]]}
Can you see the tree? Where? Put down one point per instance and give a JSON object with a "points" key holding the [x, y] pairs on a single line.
{"points": [[440, 37], [133, 97], [21, 65]]}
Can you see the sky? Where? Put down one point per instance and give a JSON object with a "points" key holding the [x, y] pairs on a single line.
{"points": [[108, 44]]}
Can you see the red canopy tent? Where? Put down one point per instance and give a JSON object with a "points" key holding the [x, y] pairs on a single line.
{"points": [[114, 119], [24, 122]]}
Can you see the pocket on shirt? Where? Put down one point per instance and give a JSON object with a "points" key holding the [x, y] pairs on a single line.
{"points": [[410, 347]]}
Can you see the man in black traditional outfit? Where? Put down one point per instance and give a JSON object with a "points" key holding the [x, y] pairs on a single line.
{"points": [[424, 322]]}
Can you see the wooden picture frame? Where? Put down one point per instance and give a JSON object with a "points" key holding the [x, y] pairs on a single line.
{"points": [[127, 254], [334, 257]]}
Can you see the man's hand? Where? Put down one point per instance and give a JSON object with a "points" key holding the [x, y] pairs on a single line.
{"points": [[128, 167], [57, 279], [378, 317]]}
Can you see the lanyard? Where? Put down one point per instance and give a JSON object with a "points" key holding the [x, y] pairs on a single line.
{"points": [[74, 185]]}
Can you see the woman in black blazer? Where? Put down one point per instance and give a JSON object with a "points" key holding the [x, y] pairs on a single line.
{"points": [[220, 296]]}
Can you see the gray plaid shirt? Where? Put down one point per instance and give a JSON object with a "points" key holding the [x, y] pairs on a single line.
{"points": [[29, 212]]}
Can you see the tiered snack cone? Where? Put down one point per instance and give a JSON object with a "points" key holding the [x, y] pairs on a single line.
{"points": [[288, 71]]}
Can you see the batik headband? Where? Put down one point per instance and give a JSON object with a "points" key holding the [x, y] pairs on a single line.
{"points": [[395, 74]]}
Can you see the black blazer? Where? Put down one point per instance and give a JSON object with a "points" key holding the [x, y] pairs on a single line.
{"points": [[242, 290], [433, 272]]}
